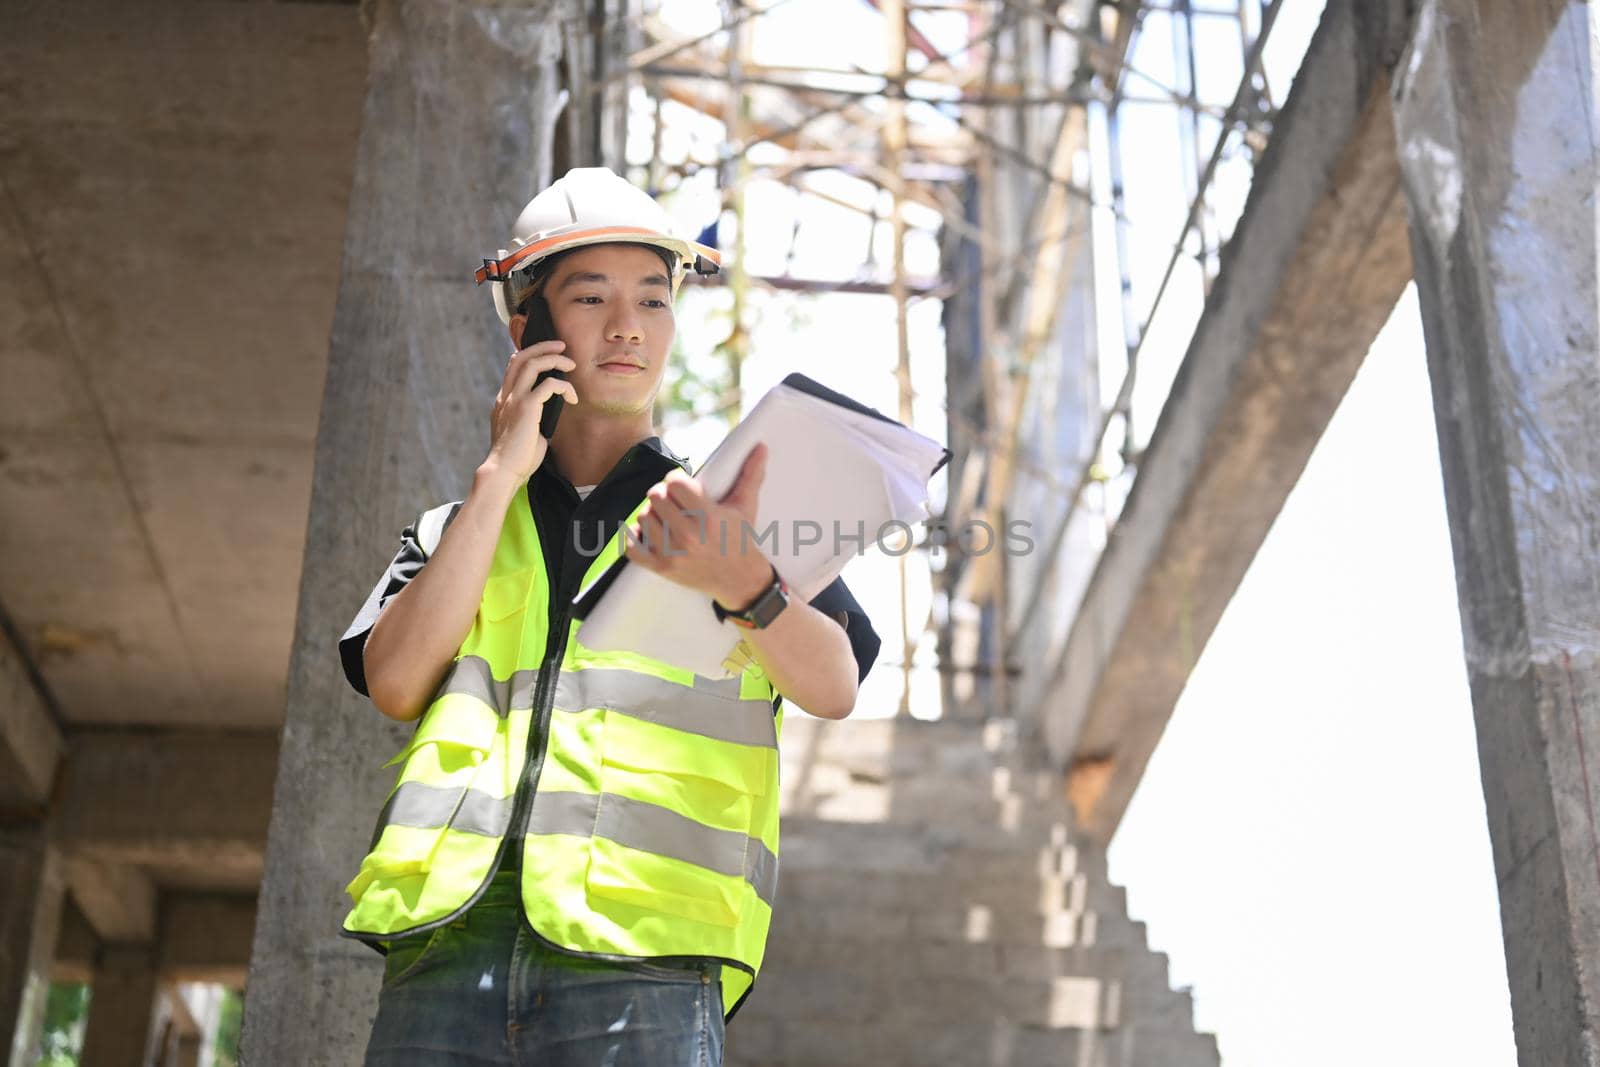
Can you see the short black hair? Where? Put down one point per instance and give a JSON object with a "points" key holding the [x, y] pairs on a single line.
{"points": [[546, 267]]}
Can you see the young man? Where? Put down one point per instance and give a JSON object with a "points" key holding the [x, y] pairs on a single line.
{"points": [[577, 864]]}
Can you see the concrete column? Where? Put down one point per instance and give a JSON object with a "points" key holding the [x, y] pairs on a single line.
{"points": [[182, 1047], [1496, 123], [455, 138], [187, 1052], [122, 1007], [32, 885]]}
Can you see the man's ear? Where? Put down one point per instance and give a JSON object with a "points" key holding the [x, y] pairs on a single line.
{"points": [[519, 322]]}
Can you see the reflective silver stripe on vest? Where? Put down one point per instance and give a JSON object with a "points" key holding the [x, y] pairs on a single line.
{"points": [[426, 807], [650, 828], [711, 709], [724, 717], [471, 676]]}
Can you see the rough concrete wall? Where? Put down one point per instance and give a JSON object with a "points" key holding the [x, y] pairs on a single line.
{"points": [[1497, 131], [455, 138]]}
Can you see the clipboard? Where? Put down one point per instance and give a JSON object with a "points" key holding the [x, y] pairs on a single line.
{"points": [[836, 469]]}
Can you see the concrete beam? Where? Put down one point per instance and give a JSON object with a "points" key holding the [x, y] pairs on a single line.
{"points": [[30, 738], [203, 937], [1497, 129], [119, 901], [206, 937], [194, 799], [1313, 270]]}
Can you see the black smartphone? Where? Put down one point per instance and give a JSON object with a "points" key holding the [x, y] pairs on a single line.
{"points": [[539, 327]]}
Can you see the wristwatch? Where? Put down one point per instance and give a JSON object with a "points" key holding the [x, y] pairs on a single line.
{"points": [[759, 613]]}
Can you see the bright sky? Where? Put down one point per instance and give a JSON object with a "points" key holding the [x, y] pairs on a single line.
{"points": [[1309, 843]]}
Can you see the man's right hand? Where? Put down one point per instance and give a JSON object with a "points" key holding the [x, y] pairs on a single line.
{"points": [[415, 637], [516, 448]]}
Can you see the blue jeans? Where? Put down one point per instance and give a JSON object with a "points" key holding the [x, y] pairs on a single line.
{"points": [[485, 990]]}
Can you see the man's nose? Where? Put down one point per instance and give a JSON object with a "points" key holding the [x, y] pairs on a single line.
{"points": [[625, 326]]}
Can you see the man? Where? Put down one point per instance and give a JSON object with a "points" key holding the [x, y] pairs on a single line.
{"points": [[578, 861]]}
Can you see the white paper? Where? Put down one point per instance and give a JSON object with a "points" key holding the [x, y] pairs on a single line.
{"points": [[828, 469]]}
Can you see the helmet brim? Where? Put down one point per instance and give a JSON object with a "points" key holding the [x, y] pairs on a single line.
{"points": [[686, 251]]}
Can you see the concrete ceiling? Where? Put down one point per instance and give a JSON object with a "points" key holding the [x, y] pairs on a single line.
{"points": [[173, 183]]}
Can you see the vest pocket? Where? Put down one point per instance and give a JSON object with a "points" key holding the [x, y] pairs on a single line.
{"points": [[509, 605], [673, 820], [459, 727], [506, 594], [648, 881], [433, 795]]}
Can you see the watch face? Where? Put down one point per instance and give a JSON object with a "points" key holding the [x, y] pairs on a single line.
{"points": [[767, 608]]}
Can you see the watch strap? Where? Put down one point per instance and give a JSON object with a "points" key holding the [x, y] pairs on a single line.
{"points": [[746, 617]]}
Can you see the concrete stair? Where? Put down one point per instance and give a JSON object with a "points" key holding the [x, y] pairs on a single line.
{"points": [[935, 908]]}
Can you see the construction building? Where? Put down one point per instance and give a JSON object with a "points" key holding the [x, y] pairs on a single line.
{"points": [[240, 350]]}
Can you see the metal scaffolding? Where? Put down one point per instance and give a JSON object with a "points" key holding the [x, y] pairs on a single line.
{"points": [[1013, 141]]}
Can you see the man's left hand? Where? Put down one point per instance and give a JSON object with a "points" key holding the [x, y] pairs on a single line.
{"points": [[705, 544]]}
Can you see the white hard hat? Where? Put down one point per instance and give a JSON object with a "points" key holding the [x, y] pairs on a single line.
{"points": [[587, 206]]}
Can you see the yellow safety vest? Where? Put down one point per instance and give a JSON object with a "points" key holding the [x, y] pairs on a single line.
{"points": [[652, 831]]}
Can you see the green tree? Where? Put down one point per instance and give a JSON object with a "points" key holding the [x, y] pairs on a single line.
{"points": [[227, 1047], [66, 1011]]}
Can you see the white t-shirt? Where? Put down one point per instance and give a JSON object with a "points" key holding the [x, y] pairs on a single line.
{"points": [[584, 490]]}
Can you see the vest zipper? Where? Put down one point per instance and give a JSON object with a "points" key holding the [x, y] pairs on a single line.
{"points": [[544, 699], [560, 622]]}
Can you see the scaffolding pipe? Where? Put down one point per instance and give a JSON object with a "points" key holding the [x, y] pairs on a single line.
{"points": [[894, 146]]}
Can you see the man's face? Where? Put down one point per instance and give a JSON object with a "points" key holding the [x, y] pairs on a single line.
{"points": [[612, 305]]}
